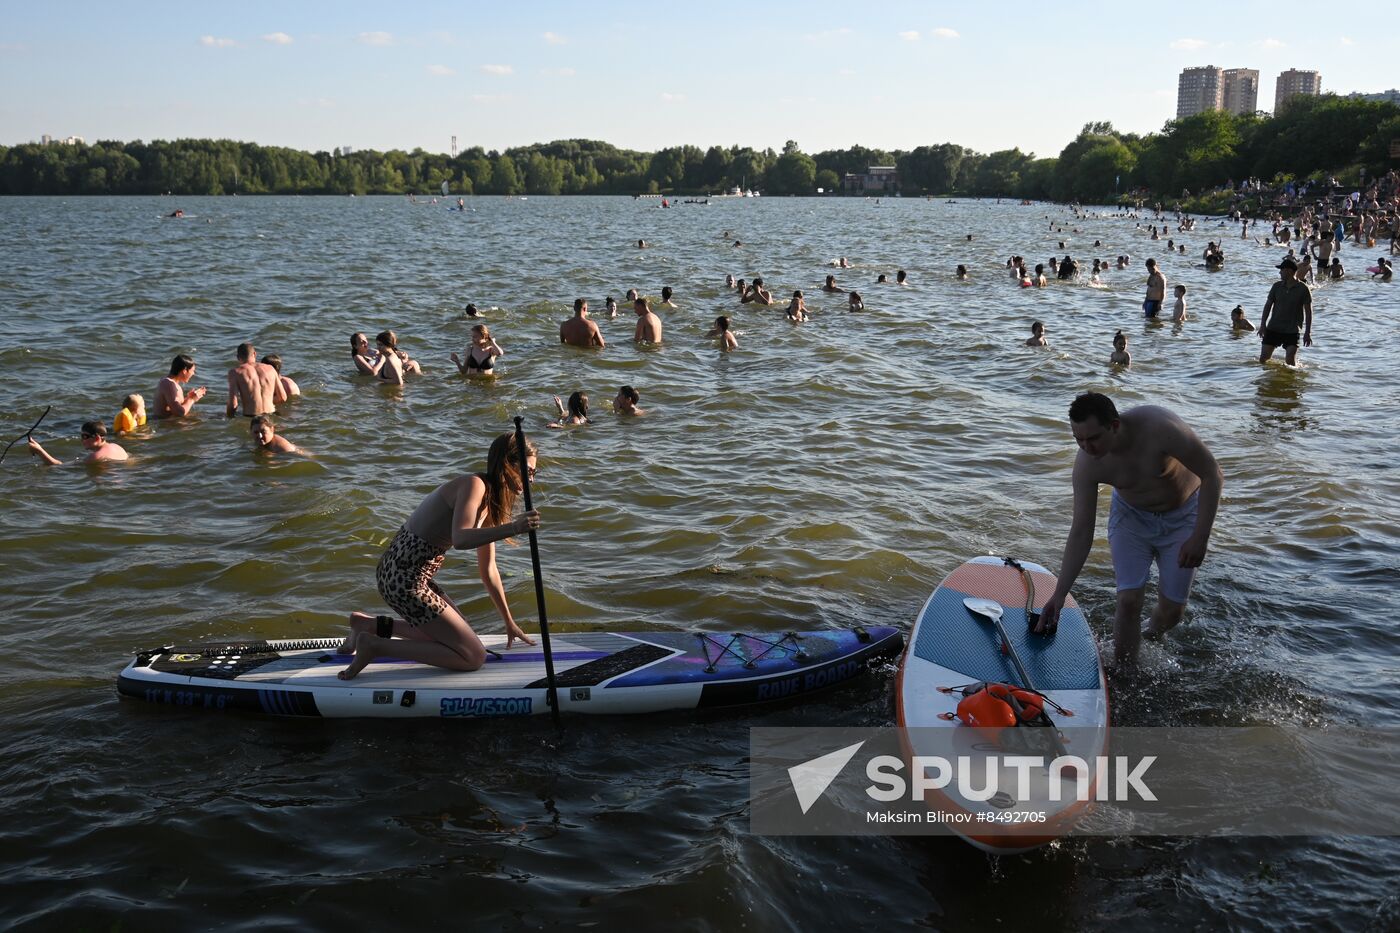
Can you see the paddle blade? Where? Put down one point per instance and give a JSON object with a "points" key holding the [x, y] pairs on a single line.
{"points": [[983, 607]]}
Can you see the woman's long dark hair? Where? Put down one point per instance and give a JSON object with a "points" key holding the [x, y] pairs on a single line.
{"points": [[502, 477]]}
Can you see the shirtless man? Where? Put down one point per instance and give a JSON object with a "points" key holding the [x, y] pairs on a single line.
{"points": [[289, 386], [626, 402], [253, 385], [1166, 490], [1156, 290], [757, 294], [171, 400], [579, 331], [648, 324], [94, 437], [265, 437]]}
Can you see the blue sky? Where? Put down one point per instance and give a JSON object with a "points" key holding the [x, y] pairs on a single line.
{"points": [[889, 75]]}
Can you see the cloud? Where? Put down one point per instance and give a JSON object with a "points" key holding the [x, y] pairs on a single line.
{"points": [[215, 43], [278, 38], [490, 98], [498, 69], [559, 72], [1272, 44], [911, 35], [553, 38], [1189, 44], [943, 32], [1346, 41], [441, 71], [375, 38], [672, 98]]}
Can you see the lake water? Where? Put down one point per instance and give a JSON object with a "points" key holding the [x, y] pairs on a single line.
{"points": [[827, 474]]}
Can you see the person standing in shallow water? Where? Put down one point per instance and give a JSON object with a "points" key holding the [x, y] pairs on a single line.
{"points": [[1166, 491], [1287, 314], [471, 512]]}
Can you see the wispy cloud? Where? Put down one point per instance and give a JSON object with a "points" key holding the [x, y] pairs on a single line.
{"points": [[911, 35], [498, 69], [672, 98], [375, 38], [278, 38], [1188, 45], [943, 32], [1346, 41], [216, 43], [441, 71], [559, 72], [553, 38], [1272, 44]]}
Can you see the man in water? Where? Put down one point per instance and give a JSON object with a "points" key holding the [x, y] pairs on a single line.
{"points": [[94, 437], [626, 402], [1166, 490], [579, 331], [171, 400], [1287, 313], [252, 385], [1156, 290], [648, 324]]}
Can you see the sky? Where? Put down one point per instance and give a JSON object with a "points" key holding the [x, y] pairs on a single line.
{"points": [[892, 75]]}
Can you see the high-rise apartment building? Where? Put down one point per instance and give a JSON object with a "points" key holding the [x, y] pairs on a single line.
{"points": [[1292, 83], [1240, 93], [1197, 90]]}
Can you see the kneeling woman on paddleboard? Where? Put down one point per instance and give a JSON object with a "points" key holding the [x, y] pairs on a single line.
{"points": [[471, 512]]}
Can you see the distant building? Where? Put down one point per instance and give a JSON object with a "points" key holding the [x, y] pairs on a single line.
{"points": [[1240, 93], [1390, 96], [1293, 83], [1198, 90], [74, 141], [46, 140], [878, 179]]}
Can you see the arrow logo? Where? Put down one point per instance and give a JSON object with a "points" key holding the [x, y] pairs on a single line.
{"points": [[811, 778]]}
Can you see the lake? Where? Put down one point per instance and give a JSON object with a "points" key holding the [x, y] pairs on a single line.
{"points": [[823, 475]]}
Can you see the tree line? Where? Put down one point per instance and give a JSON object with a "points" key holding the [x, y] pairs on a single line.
{"points": [[1311, 135]]}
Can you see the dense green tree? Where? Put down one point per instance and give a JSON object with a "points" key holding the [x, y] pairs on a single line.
{"points": [[827, 180], [793, 172]]}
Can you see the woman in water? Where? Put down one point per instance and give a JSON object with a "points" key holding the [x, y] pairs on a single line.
{"points": [[797, 310], [831, 285], [577, 412], [471, 512], [364, 358], [481, 355]]}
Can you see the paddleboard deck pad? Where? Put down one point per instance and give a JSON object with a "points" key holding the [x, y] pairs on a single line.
{"points": [[595, 672], [951, 647]]}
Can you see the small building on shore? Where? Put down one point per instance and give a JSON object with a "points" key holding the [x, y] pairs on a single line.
{"points": [[876, 179]]}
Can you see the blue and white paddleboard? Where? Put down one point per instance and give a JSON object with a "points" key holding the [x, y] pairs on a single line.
{"points": [[951, 647], [595, 672]]}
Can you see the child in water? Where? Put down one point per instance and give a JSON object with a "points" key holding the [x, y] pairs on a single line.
{"points": [[854, 302], [727, 341], [1037, 337], [1121, 356], [1179, 309], [132, 415], [797, 311], [1238, 321]]}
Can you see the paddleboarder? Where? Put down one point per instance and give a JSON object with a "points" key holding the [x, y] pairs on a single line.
{"points": [[471, 512], [1166, 490]]}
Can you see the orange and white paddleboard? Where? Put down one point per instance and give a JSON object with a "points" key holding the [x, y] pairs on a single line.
{"points": [[951, 647]]}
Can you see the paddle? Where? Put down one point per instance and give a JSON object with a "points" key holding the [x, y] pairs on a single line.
{"points": [[25, 435], [553, 695], [991, 611]]}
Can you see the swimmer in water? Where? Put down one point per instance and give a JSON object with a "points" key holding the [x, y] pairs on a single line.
{"points": [[626, 402], [132, 415], [94, 437], [1037, 337], [726, 337], [901, 277], [1238, 322], [962, 271], [881, 280], [481, 355], [666, 294], [854, 302], [797, 310], [576, 414], [289, 386], [266, 438], [610, 306], [831, 285], [1120, 356]]}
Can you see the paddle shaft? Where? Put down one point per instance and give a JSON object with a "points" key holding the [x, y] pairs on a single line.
{"points": [[26, 434], [553, 694]]}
